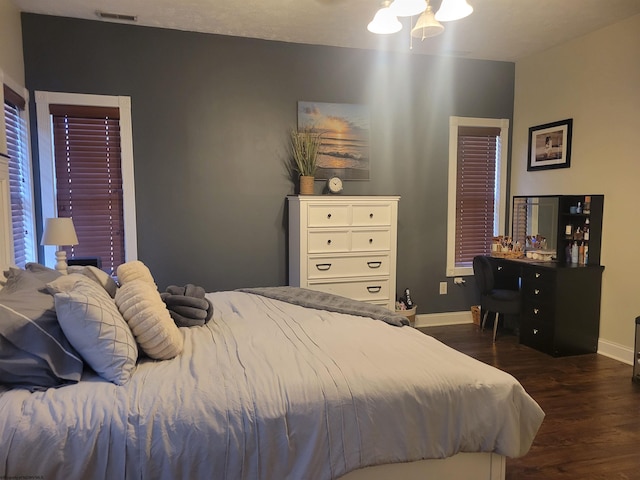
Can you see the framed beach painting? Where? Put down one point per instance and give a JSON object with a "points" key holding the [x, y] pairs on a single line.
{"points": [[345, 138], [550, 145]]}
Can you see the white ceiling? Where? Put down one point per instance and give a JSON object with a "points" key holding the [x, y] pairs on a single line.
{"points": [[497, 30]]}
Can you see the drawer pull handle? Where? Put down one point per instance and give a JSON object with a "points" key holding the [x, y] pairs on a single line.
{"points": [[499, 267], [536, 291], [329, 215], [535, 311], [535, 331], [371, 215], [371, 240], [329, 242], [538, 275], [374, 289], [323, 267], [374, 264]]}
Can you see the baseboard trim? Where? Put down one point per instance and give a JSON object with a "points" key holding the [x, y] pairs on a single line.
{"points": [[616, 351], [444, 318]]}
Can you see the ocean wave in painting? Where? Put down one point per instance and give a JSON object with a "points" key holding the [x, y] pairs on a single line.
{"points": [[343, 153]]}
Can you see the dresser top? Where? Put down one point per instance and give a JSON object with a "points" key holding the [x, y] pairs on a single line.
{"points": [[344, 198]]}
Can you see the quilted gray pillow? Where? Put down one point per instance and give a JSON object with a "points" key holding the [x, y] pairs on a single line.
{"points": [[34, 352], [92, 323]]}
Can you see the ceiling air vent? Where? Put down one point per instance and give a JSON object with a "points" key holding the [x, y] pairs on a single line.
{"points": [[116, 16]]}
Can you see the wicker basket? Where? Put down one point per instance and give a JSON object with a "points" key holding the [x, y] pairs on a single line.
{"points": [[475, 314], [410, 314]]}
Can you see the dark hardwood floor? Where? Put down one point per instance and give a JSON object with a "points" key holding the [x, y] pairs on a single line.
{"points": [[592, 425]]}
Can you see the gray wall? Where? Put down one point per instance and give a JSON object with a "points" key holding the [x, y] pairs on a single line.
{"points": [[210, 121]]}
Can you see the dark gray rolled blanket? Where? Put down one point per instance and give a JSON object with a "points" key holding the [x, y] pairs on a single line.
{"points": [[187, 305]]}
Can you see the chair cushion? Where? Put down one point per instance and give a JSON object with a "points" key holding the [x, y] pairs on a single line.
{"points": [[502, 301]]}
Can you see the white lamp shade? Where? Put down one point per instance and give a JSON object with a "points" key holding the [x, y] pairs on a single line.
{"points": [[59, 231], [427, 26], [453, 10], [408, 8], [384, 22]]}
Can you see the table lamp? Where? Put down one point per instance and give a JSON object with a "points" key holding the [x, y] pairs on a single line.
{"points": [[59, 232]]}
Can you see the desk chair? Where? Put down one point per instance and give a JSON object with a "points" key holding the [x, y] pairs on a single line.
{"points": [[492, 299]]}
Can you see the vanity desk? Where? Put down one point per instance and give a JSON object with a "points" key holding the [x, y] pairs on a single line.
{"points": [[560, 303], [560, 299]]}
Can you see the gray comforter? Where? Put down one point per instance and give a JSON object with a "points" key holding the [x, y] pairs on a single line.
{"points": [[271, 390], [327, 301]]}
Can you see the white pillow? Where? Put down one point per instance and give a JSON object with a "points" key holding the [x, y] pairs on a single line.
{"points": [[100, 277], [93, 325], [134, 270], [141, 306]]}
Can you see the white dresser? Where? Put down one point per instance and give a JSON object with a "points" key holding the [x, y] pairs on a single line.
{"points": [[344, 245]]}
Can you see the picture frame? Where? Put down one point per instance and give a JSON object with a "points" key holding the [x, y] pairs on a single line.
{"points": [[345, 130], [550, 145]]}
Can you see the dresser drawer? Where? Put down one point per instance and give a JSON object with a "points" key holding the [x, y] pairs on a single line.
{"points": [[367, 240], [328, 215], [328, 241], [360, 266], [365, 290], [534, 275], [537, 311], [539, 293], [371, 215], [538, 335]]}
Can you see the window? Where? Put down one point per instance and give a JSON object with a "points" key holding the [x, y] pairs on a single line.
{"points": [[477, 189], [20, 183], [87, 173]]}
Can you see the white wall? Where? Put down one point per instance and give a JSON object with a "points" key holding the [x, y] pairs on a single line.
{"points": [[11, 59], [595, 80]]}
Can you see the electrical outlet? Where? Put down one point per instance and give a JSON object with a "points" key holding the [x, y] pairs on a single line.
{"points": [[443, 288]]}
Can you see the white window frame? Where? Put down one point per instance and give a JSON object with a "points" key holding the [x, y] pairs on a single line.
{"points": [[32, 250], [47, 161], [501, 184]]}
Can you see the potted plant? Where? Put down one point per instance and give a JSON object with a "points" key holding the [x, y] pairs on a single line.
{"points": [[305, 145]]}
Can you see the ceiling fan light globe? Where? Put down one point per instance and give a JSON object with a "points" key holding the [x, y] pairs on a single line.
{"points": [[384, 22], [453, 10], [427, 26], [408, 8]]}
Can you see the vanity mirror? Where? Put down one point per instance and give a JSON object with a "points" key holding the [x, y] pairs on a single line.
{"points": [[535, 224], [550, 227]]}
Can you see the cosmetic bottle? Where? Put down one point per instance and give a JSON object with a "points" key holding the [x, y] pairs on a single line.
{"points": [[581, 254], [585, 230], [579, 208], [574, 252]]}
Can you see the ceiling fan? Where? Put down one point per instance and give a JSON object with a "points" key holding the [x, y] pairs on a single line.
{"points": [[386, 20]]}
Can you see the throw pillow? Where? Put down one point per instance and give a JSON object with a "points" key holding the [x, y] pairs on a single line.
{"points": [[141, 306], [92, 323], [134, 270], [99, 276], [34, 352]]}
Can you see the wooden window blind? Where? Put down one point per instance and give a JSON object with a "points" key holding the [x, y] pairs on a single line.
{"points": [[89, 180], [19, 181], [475, 192]]}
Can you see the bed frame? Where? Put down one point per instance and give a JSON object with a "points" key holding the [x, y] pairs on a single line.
{"points": [[479, 466]]}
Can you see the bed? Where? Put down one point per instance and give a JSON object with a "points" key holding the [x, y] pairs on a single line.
{"points": [[268, 388]]}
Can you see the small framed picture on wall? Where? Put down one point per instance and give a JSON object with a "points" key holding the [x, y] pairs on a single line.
{"points": [[550, 145]]}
